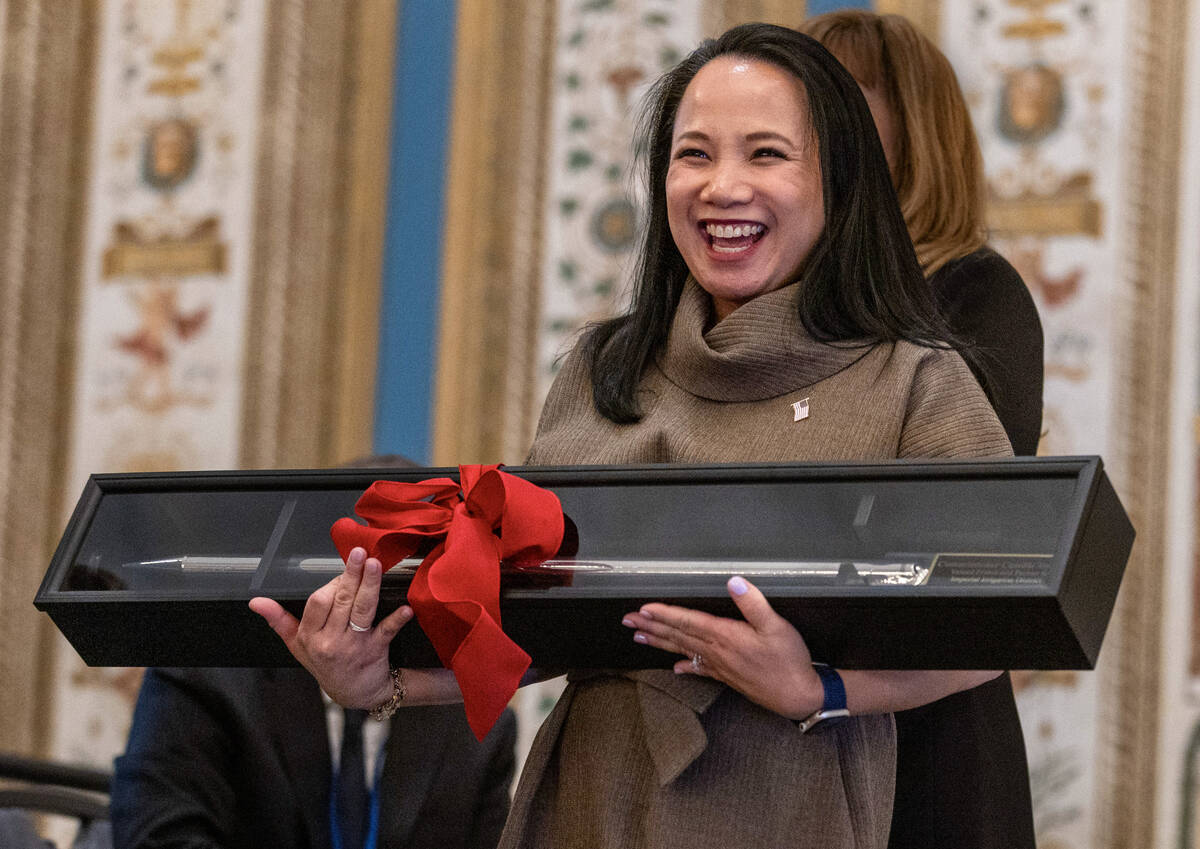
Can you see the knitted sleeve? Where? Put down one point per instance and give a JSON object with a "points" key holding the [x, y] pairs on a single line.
{"points": [[948, 414], [569, 400]]}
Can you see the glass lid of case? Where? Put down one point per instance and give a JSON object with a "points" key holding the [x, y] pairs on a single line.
{"points": [[642, 537]]}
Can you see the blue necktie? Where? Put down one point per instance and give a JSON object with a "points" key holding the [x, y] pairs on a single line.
{"points": [[353, 804]]}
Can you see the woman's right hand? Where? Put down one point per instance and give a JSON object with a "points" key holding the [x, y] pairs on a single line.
{"points": [[350, 664]]}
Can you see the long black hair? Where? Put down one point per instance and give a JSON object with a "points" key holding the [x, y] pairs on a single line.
{"points": [[861, 280]]}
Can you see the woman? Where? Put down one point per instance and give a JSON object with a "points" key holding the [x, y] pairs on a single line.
{"points": [[937, 170], [775, 267], [962, 778]]}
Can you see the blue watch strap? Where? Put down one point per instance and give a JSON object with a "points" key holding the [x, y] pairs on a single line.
{"points": [[833, 710], [835, 690]]}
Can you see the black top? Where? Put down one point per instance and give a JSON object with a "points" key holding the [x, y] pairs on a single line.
{"points": [[987, 305], [962, 779]]}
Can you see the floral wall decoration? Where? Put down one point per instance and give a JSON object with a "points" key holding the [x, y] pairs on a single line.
{"points": [[608, 53]]}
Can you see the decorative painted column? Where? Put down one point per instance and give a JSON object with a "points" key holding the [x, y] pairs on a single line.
{"points": [[229, 277]]}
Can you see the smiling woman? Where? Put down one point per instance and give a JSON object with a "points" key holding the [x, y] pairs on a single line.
{"points": [[775, 275], [845, 239], [744, 185]]}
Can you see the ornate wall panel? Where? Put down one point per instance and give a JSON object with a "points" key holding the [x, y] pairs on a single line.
{"points": [[45, 52], [1082, 164], [165, 274], [168, 244], [230, 264]]}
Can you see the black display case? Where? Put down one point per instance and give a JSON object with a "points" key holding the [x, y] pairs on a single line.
{"points": [[1004, 564]]}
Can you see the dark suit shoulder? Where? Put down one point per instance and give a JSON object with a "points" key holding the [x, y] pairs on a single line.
{"points": [[227, 758]]}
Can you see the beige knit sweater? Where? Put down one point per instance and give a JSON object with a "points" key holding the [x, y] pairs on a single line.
{"points": [[651, 759], [728, 395]]}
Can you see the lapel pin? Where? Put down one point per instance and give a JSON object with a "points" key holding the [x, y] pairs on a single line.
{"points": [[800, 409]]}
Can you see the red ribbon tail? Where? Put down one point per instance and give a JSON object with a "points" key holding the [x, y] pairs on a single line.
{"points": [[488, 666]]}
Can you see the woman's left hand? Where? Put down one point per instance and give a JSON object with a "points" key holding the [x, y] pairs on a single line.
{"points": [[764, 658]]}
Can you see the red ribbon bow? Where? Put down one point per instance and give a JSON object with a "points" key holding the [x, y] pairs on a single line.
{"points": [[456, 592]]}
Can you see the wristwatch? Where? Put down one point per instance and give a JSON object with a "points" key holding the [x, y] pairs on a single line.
{"points": [[833, 709]]}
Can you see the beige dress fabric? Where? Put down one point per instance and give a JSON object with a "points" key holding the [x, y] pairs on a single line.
{"points": [[652, 759]]}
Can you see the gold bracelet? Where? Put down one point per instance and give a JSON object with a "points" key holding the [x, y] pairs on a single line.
{"points": [[385, 710]]}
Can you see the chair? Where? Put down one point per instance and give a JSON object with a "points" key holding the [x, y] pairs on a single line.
{"points": [[35, 786]]}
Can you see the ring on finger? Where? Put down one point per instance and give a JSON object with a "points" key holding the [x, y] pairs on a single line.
{"points": [[359, 628], [697, 661]]}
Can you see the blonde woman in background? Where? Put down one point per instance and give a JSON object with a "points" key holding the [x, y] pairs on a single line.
{"points": [[962, 778]]}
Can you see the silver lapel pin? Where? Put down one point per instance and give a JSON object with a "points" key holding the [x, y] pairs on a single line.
{"points": [[800, 408]]}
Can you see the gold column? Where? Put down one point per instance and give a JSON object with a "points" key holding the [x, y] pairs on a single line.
{"points": [[1127, 788], [360, 278], [311, 343], [925, 14], [491, 289], [46, 55], [720, 15]]}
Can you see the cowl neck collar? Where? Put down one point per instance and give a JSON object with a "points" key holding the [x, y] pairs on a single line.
{"points": [[760, 350]]}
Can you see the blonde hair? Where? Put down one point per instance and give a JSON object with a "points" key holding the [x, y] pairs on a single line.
{"points": [[938, 172]]}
